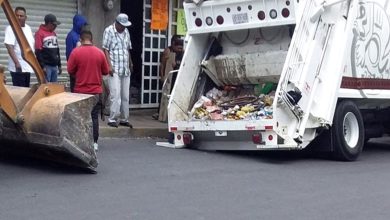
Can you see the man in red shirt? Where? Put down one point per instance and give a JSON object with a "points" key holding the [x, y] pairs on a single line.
{"points": [[87, 64]]}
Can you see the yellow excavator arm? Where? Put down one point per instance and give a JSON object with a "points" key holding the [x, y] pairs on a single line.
{"points": [[27, 52]]}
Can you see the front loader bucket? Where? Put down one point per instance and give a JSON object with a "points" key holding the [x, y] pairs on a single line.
{"points": [[45, 120], [57, 127]]}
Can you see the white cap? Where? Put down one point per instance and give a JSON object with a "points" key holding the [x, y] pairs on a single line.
{"points": [[123, 20]]}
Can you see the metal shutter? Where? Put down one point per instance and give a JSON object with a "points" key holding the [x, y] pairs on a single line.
{"points": [[64, 10]]}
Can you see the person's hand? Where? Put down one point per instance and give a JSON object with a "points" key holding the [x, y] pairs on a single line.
{"points": [[110, 72], [59, 70], [18, 68]]}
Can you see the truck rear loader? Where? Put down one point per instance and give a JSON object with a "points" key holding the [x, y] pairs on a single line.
{"points": [[44, 121], [283, 75]]}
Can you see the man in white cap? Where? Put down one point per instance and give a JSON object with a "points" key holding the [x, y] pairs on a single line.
{"points": [[116, 47]]}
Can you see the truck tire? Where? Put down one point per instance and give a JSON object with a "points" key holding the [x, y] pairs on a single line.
{"points": [[347, 131]]}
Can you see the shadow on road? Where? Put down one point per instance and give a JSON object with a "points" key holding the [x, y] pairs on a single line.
{"points": [[31, 163]]}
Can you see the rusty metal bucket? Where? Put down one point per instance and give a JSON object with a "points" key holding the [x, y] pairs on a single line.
{"points": [[44, 121], [57, 127]]}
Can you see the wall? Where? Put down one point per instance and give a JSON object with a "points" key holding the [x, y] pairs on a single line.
{"points": [[97, 17]]}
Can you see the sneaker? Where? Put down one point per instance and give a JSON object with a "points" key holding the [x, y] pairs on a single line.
{"points": [[112, 124], [155, 116], [95, 146], [126, 123]]}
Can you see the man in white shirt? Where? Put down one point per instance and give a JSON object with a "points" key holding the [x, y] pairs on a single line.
{"points": [[116, 47], [20, 70]]}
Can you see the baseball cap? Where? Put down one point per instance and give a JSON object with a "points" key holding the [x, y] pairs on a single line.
{"points": [[123, 20], [50, 18]]}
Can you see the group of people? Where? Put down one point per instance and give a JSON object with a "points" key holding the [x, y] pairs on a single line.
{"points": [[87, 65]]}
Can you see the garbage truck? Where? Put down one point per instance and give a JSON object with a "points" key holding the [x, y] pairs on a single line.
{"points": [[283, 75], [44, 121]]}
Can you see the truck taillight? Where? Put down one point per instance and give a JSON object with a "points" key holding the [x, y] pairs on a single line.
{"points": [[220, 20], [285, 12], [257, 138], [187, 138], [198, 22], [261, 15]]}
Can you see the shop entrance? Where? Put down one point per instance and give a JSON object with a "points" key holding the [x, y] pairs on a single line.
{"points": [[147, 48]]}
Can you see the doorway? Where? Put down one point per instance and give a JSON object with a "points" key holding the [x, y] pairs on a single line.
{"points": [[148, 45], [134, 9]]}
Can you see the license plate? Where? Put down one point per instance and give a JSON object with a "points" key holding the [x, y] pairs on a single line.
{"points": [[240, 18]]}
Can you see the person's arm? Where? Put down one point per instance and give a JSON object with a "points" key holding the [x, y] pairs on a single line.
{"points": [[164, 59], [9, 42], [104, 67], [71, 65], [59, 61], [69, 45], [38, 48], [106, 50], [11, 52], [131, 65], [107, 55]]}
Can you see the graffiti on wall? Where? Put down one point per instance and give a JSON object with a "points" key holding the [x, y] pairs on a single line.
{"points": [[370, 56]]}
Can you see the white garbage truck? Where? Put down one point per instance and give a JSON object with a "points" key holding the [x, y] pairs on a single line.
{"points": [[283, 75]]}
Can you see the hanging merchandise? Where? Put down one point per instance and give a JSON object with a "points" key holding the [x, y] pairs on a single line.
{"points": [[159, 15], [181, 23]]}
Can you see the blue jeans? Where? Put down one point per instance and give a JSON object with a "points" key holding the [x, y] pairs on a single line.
{"points": [[51, 73]]}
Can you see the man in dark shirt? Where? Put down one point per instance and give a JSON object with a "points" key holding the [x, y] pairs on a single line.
{"points": [[46, 48]]}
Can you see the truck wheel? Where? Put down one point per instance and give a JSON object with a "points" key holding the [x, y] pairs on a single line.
{"points": [[347, 131]]}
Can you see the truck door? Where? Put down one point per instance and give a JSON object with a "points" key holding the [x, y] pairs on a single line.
{"points": [[314, 66]]}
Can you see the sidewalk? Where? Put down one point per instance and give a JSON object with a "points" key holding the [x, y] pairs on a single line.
{"points": [[143, 126]]}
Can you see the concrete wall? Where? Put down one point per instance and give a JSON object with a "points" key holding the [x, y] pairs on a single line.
{"points": [[97, 17]]}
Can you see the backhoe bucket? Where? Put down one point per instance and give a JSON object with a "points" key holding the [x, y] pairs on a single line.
{"points": [[44, 121], [57, 127]]}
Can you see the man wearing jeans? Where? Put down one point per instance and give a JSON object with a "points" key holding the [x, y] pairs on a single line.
{"points": [[46, 48], [116, 47]]}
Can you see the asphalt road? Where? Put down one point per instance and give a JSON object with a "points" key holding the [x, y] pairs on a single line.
{"points": [[138, 180]]}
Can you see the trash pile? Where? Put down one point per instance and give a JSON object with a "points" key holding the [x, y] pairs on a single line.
{"points": [[249, 102]]}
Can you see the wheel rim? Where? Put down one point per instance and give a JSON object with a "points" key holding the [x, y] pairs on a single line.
{"points": [[351, 130]]}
